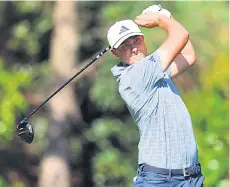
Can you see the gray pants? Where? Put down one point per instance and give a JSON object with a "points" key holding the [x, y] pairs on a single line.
{"points": [[151, 179]]}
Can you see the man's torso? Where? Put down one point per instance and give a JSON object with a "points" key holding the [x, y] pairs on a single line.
{"points": [[166, 135]]}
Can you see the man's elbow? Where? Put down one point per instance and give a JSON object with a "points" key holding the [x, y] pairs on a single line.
{"points": [[192, 59]]}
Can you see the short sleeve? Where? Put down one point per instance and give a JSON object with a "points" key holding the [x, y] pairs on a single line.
{"points": [[147, 72]]}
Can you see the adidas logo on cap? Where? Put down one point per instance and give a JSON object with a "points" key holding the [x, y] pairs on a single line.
{"points": [[123, 29]]}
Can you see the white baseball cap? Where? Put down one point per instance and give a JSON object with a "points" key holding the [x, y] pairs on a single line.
{"points": [[122, 30]]}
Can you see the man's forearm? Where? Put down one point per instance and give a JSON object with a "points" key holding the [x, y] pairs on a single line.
{"points": [[183, 61], [177, 39], [189, 53]]}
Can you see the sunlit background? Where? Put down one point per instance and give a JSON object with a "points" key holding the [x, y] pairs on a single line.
{"points": [[85, 137]]}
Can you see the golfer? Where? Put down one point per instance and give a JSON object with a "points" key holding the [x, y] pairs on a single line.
{"points": [[167, 150]]}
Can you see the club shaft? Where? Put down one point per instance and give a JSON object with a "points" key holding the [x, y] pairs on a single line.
{"points": [[59, 89]]}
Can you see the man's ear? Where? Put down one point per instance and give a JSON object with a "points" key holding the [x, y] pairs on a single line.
{"points": [[114, 52]]}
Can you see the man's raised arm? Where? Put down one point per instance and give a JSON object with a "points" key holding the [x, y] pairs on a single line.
{"points": [[176, 40], [183, 61]]}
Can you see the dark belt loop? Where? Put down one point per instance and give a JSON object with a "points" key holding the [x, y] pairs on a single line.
{"points": [[140, 169], [170, 174], [142, 166]]}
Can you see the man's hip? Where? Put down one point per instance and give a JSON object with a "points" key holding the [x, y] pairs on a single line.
{"points": [[149, 176]]}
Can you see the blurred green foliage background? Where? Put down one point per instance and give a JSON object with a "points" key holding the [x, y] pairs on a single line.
{"points": [[110, 137]]}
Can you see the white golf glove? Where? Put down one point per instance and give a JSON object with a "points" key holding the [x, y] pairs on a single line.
{"points": [[157, 8]]}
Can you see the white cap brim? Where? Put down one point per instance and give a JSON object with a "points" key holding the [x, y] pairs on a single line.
{"points": [[118, 43]]}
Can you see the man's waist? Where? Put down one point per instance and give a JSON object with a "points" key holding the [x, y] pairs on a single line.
{"points": [[186, 172]]}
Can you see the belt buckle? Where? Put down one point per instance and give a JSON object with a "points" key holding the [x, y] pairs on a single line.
{"points": [[185, 172]]}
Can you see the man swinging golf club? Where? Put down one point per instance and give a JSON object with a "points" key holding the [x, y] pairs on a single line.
{"points": [[167, 151]]}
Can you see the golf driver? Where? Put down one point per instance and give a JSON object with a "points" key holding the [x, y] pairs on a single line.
{"points": [[24, 129]]}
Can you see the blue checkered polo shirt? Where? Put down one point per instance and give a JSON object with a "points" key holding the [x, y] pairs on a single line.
{"points": [[166, 134]]}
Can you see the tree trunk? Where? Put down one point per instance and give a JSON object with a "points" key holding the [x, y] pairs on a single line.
{"points": [[64, 107]]}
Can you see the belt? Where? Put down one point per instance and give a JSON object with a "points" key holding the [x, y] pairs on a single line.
{"points": [[186, 172]]}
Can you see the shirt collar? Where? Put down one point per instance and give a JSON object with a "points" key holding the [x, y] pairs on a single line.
{"points": [[118, 69]]}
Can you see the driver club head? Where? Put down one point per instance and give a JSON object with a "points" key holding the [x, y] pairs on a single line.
{"points": [[25, 131]]}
